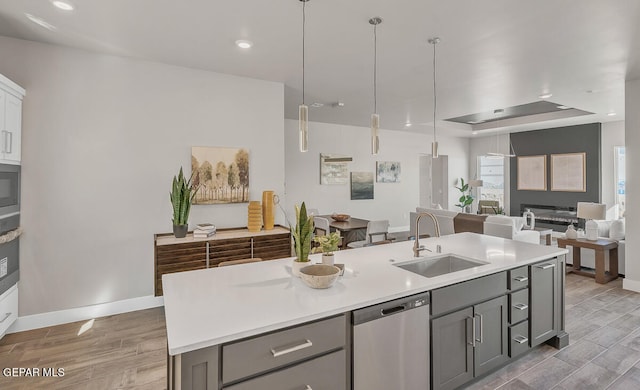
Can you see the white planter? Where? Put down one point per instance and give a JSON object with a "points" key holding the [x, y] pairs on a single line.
{"points": [[297, 265], [328, 259]]}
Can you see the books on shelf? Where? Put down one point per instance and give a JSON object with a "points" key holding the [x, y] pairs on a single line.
{"points": [[204, 230]]}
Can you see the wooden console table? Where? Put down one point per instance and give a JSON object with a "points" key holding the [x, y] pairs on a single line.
{"points": [[599, 247], [184, 254]]}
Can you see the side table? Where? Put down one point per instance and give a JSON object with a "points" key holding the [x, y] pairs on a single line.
{"points": [[599, 246]]}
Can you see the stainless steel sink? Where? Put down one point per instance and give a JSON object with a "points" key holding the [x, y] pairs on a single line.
{"points": [[435, 266]]}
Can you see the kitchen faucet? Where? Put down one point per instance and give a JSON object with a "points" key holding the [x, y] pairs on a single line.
{"points": [[416, 244]]}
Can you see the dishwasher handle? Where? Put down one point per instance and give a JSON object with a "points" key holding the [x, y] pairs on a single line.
{"points": [[393, 310]]}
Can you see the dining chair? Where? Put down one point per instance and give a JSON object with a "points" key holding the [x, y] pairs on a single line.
{"points": [[376, 231], [321, 226]]}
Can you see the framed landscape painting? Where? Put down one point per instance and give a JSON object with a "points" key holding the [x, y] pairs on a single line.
{"points": [[387, 171], [361, 185], [221, 175]]}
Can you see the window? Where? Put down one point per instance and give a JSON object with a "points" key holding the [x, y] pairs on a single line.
{"points": [[619, 177], [491, 172]]}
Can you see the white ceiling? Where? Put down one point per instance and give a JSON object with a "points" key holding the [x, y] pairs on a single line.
{"points": [[493, 54]]}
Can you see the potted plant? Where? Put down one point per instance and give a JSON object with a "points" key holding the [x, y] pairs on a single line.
{"points": [[182, 194], [327, 244], [465, 199], [301, 233]]}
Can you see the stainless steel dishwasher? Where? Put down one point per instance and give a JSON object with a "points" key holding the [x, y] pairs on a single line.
{"points": [[391, 345]]}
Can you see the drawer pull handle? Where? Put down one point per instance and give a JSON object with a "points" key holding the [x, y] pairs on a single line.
{"points": [[308, 388], [546, 266], [6, 315], [521, 306], [521, 278], [473, 331], [279, 352], [520, 339]]}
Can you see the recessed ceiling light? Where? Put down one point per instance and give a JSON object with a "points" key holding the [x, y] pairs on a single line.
{"points": [[408, 124], [40, 22], [475, 122], [545, 95], [611, 114], [563, 107], [63, 5], [241, 43], [474, 132], [317, 105]]}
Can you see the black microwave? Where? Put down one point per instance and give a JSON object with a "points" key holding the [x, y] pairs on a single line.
{"points": [[9, 189]]}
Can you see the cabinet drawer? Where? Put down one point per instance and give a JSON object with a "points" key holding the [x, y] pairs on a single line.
{"points": [[518, 339], [518, 278], [465, 294], [8, 309], [326, 372], [518, 306], [263, 353]]}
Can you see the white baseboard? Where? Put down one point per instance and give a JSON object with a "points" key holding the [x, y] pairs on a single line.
{"points": [[42, 320], [632, 285]]}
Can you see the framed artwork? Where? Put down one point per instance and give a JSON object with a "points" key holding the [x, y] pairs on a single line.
{"points": [[387, 171], [334, 169], [532, 173], [568, 172], [222, 175], [361, 185]]}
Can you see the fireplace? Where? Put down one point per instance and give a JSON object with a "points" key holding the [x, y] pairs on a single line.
{"points": [[553, 217]]}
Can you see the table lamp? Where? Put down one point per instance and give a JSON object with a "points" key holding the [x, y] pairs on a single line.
{"points": [[590, 211]]}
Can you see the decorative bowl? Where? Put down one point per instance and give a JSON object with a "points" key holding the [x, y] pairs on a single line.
{"points": [[340, 217], [319, 275]]}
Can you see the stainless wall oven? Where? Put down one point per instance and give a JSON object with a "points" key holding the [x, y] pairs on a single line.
{"points": [[9, 189]]}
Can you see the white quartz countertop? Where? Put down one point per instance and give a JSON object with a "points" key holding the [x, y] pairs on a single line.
{"points": [[218, 305]]}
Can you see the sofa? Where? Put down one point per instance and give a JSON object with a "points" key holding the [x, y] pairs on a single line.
{"points": [[610, 229], [494, 225]]}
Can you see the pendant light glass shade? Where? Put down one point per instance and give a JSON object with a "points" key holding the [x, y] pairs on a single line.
{"points": [[434, 149], [375, 126], [375, 118], [303, 127], [303, 110]]}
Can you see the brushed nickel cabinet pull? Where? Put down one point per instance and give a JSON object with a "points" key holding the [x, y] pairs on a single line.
{"points": [[473, 331], [546, 266], [520, 339], [7, 315], [521, 278], [283, 351], [521, 306]]}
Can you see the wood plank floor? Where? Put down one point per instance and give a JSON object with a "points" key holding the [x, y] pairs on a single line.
{"points": [[128, 351]]}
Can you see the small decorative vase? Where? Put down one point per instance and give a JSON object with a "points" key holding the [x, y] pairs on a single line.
{"points": [[297, 265], [328, 259], [529, 220], [254, 222], [267, 209], [180, 231], [571, 233]]}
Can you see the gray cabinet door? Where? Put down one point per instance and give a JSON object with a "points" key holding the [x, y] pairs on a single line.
{"points": [[452, 349], [545, 301], [491, 335]]}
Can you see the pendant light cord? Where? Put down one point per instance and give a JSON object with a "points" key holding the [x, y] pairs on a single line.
{"points": [[375, 69], [434, 91], [304, 19]]}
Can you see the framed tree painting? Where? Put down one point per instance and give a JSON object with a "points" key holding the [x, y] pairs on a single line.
{"points": [[568, 172], [532, 173], [387, 171], [221, 174]]}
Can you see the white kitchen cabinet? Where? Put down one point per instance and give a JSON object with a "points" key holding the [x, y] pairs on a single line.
{"points": [[11, 96]]}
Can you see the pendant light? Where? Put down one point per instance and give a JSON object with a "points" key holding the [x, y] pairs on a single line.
{"points": [[434, 145], [375, 118], [497, 153], [303, 110]]}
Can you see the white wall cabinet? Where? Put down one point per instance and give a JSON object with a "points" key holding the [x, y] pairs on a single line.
{"points": [[11, 96]]}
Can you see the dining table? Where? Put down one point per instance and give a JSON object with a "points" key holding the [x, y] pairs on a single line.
{"points": [[353, 229]]}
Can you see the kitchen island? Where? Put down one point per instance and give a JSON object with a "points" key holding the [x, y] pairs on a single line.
{"points": [[217, 317]]}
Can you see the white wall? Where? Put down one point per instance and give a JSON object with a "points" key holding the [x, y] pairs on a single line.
{"points": [[102, 138], [392, 201], [632, 212], [612, 136]]}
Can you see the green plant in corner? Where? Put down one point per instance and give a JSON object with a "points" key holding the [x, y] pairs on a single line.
{"points": [[302, 233], [465, 199], [327, 244], [182, 194]]}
